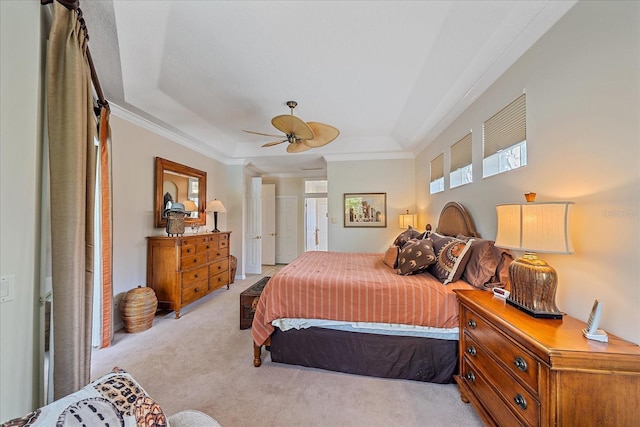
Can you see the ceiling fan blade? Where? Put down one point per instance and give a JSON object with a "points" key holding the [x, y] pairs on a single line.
{"points": [[324, 134], [260, 133], [290, 124], [270, 144], [297, 147]]}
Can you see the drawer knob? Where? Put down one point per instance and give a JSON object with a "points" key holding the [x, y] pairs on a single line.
{"points": [[520, 401], [195, 260], [188, 251], [471, 377], [472, 323], [196, 290], [472, 351], [208, 247], [520, 364], [196, 275]]}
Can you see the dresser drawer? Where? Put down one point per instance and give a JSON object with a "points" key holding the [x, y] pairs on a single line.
{"points": [[215, 254], [223, 241], [194, 261], [194, 291], [218, 280], [203, 248], [513, 393], [195, 275], [491, 402], [218, 267], [187, 250], [514, 359]]}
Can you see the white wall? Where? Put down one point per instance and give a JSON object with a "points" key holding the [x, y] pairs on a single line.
{"points": [[20, 150], [394, 177], [582, 81], [134, 150]]}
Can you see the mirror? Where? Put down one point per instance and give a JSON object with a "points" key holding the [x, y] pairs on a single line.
{"points": [[177, 183]]}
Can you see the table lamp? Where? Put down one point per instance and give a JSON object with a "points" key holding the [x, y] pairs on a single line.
{"points": [[215, 206], [534, 227], [406, 220]]}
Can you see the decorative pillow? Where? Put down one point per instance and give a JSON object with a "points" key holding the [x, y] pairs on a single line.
{"points": [[406, 235], [391, 256], [415, 256], [115, 399], [482, 263], [451, 257]]}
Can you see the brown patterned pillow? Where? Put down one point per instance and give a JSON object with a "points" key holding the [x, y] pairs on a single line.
{"points": [[415, 256], [451, 257], [406, 235]]}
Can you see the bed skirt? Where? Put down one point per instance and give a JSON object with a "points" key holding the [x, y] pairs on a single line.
{"points": [[386, 356]]}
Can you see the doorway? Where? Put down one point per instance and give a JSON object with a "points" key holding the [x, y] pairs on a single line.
{"points": [[316, 220]]}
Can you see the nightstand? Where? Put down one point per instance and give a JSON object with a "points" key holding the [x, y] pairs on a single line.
{"points": [[519, 370]]}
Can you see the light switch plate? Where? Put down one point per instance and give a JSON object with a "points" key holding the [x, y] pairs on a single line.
{"points": [[7, 288]]}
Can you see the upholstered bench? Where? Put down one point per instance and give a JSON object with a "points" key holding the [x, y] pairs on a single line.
{"points": [[115, 399]]}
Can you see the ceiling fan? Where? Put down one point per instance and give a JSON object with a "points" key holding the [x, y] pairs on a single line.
{"points": [[300, 135]]}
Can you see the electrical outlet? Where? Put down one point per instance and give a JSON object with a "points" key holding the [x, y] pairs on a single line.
{"points": [[7, 288]]}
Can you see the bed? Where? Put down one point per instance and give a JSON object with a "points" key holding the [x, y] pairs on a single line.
{"points": [[391, 315]]}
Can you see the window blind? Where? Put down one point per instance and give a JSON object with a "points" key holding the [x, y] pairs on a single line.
{"points": [[461, 153], [437, 168], [505, 128]]}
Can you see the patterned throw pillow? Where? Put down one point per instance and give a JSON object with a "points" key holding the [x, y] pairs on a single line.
{"points": [[115, 399], [451, 257], [406, 235], [415, 257]]}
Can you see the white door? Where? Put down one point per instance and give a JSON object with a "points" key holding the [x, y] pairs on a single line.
{"points": [[268, 224], [316, 210], [286, 229], [253, 264]]}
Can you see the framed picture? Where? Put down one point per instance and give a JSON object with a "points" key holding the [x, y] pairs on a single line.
{"points": [[365, 209]]}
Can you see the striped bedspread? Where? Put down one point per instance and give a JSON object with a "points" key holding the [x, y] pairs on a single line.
{"points": [[354, 287]]}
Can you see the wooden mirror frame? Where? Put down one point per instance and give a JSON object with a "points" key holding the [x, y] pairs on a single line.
{"points": [[164, 165]]}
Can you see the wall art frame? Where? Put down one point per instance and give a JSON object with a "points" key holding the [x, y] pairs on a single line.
{"points": [[365, 210]]}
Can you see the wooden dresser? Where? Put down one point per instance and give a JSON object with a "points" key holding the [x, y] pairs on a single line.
{"points": [[519, 370], [183, 269]]}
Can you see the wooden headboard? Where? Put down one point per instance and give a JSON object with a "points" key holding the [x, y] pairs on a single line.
{"points": [[454, 219]]}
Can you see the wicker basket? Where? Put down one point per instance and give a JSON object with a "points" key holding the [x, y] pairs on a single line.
{"points": [[138, 307], [233, 266], [175, 223]]}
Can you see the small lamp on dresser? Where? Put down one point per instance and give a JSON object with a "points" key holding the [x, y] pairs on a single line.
{"points": [[215, 206], [534, 227]]}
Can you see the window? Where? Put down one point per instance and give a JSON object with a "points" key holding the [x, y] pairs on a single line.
{"points": [[504, 139], [437, 175], [461, 168], [315, 186]]}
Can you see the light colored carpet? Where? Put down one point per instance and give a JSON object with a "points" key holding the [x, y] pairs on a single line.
{"points": [[203, 361]]}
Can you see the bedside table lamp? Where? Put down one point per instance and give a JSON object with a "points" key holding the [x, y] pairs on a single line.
{"points": [[534, 227], [215, 206], [406, 220]]}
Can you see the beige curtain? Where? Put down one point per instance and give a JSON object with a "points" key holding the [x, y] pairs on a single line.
{"points": [[72, 157], [106, 227]]}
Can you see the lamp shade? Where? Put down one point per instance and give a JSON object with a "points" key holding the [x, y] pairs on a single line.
{"points": [[190, 206], [215, 206], [406, 220], [535, 227]]}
